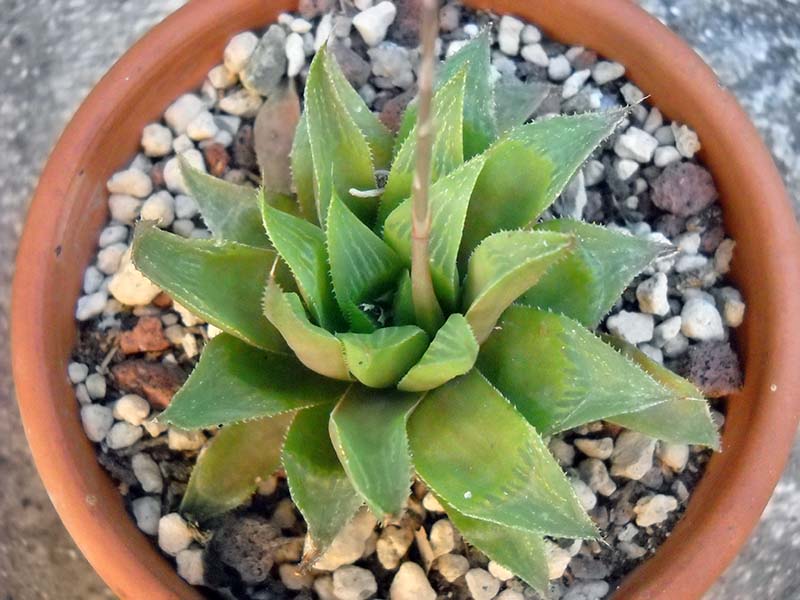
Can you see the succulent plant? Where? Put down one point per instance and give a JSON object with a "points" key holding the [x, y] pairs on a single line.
{"points": [[357, 365]]}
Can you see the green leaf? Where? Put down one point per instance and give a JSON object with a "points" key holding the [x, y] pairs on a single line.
{"points": [[340, 151], [314, 346], [684, 420], [449, 199], [452, 352], [318, 484], [559, 375], [229, 468], [447, 152], [482, 457], [403, 304], [480, 125], [303, 171], [368, 430], [363, 267], [517, 101], [230, 211], [219, 281], [587, 283], [528, 168], [235, 382], [521, 552], [505, 266], [379, 359], [302, 246]]}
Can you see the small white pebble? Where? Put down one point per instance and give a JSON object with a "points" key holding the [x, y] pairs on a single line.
{"points": [[531, 35], [636, 144], [182, 440], [509, 594], [633, 327], [92, 279], [652, 510], [508, 35], [202, 127], [559, 68], [700, 320], [535, 54], [652, 352], [147, 512], [442, 537], [147, 473], [595, 448], [665, 155], [239, 50], [241, 103], [295, 54], [631, 93], [430, 503], [374, 22], [652, 295], [174, 534], [190, 566], [653, 121], [185, 207], [221, 77], [353, 583], [574, 83], [131, 408], [123, 435], [96, 386], [675, 456], [110, 257], [300, 25], [113, 234], [156, 140], [90, 306], [160, 207], [131, 182], [124, 208], [625, 168], [686, 140], [82, 395], [452, 566], [97, 421], [482, 584], [605, 71], [181, 112], [500, 571], [411, 583], [182, 143], [77, 372]]}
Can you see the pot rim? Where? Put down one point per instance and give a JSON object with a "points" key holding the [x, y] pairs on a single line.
{"points": [[761, 421]]}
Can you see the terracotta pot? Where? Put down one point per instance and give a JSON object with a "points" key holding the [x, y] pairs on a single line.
{"points": [[69, 209]]}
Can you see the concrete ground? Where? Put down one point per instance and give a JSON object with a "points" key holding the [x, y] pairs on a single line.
{"points": [[52, 52]]}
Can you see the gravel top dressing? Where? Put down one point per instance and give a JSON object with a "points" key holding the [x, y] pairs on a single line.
{"points": [[136, 346]]}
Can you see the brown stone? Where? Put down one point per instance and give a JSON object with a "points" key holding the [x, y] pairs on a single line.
{"points": [[392, 112], [157, 175], [155, 381], [163, 300], [244, 152], [405, 29], [714, 368], [684, 189], [146, 336], [217, 159], [313, 8]]}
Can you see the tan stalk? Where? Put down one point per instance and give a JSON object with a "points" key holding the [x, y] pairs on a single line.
{"points": [[426, 307]]}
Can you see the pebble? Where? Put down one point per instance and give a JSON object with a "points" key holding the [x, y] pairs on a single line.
{"points": [[353, 583], [373, 23], [510, 594], [160, 207], [410, 583], [391, 63], [131, 182], [295, 54], [700, 320], [627, 534], [531, 35], [77, 372], [173, 178], [584, 494], [574, 83], [323, 586], [452, 566], [499, 571], [324, 30], [132, 408], [684, 189], [156, 140], [123, 435], [267, 64], [442, 537], [181, 112], [202, 127], [430, 503], [665, 155], [124, 208], [733, 306], [182, 440], [109, 258], [633, 455], [221, 77], [557, 559], [393, 544], [96, 386], [633, 327], [723, 256], [653, 121], [605, 71], [90, 306], [675, 456], [636, 144], [147, 512], [300, 25], [563, 452], [558, 69], [239, 50], [652, 510], [625, 168], [97, 421], [652, 295], [595, 448], [593, 471], [113, 234], [586, 567], [666, 330], [182, 143], [190, 566], [482, 584], [631, 93], [185, 207], [130, 287], [587, 590], [535, 54], [686, 140], [82, 395], [348, 546], [508, 35], [174, 534], [294, 578], [147, 472], [241, 103], [652, 352]]}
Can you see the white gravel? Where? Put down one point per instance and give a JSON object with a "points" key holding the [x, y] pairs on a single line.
{"points": [[97, 421], [147, 512], [174, 534], [411, 583], [147, 472], [373, 23]]}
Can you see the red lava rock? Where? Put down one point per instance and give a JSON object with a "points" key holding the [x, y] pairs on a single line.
{"points": [[711, 239], [163, 300], [714, 368], [155, 381], [313, 8], [217, 159], [684, 189], [392, 112], [355, 68], [146, 336], [157, 174], [405, 28], [244, 152]]}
